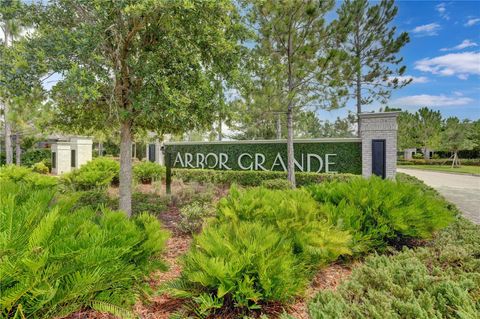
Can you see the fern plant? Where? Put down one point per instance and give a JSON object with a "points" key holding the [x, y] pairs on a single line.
{"points": [[378, 211], [295, 215], [244, 263], [54, 261]]}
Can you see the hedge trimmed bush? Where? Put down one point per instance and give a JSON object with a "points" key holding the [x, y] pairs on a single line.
{"points": [[439, 281], [378, 212], [467, 162], [252, 178], [55, 261], [98, 173], [146, 172]]}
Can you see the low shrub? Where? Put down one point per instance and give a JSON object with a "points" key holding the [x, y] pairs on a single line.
{"points": [[95, 198], [294, 214], [149, 202], [252, 178], [192, 217], [439, 281], [378, 212], [55, 262], [98, 173], [443, 161], [146, 172], [40, 167], [193, 192], [25, 175], [276, 184], [240, 264]]}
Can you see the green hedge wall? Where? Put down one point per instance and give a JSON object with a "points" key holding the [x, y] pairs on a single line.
{"points": [[252, 178], [348, 157], [443, 161]]}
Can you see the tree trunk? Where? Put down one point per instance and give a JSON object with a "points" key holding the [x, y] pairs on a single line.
{"points": [[290, 152], [359, 100], [358, 80], [126, 168], [279, 127], [220, 128], [8, 136], [100, 149], [18, 150]]}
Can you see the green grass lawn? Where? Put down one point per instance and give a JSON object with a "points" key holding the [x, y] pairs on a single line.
{"points": [[446, 168]]}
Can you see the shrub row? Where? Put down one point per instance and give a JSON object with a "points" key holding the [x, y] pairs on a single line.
{"points": [[54, 261], [264, 244], [468, 162], [104, 171], [252, 178], [438, 281]]}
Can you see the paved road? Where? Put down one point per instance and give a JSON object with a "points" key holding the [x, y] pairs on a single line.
{"points": [[462, 190]]}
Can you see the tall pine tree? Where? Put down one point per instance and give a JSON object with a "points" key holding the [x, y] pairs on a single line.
{"points": [[373, 46], [298, 47]]}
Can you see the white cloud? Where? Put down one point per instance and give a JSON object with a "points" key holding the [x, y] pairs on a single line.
{"points": [[459, 64], [472, 21], [465, 44], [427, 29], [442, 10], [415, 79], [431, 100]]}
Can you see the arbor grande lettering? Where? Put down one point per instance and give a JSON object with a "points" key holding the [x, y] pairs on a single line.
{"points": [[256, 161]]}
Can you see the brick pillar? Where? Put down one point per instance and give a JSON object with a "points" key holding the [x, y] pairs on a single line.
{"points": [[379, 126]]}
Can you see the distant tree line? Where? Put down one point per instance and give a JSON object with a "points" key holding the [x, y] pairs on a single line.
{"points": [[427, 129]]}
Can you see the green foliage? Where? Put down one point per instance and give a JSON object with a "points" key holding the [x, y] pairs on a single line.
{"points": [[252, 178], [149, 202], [439, 281], [55, 261], [247, 263], [373, 46], [94, 198], [192, 216], [277, 183], [40, 167], [348, 159], [193, 192], [31, 157], [146, 172], [378, 211], [98, 173], [294, 214], [25, 175], [467, 162]]}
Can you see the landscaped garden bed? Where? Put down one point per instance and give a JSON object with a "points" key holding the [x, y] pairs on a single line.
{"points": [[242, 251]]}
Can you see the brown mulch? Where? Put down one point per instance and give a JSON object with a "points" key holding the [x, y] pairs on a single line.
{"points": [[327, 278]]}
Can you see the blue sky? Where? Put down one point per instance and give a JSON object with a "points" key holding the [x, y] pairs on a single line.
{"points": [[443, 57]]}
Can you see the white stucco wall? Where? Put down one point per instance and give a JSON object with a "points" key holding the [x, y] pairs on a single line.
{"points": [[63, 160]]}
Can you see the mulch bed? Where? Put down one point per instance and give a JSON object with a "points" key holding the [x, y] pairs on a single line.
{"points": [[162, 306]]}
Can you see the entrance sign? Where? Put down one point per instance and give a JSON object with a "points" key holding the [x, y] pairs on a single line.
{"points": [[328, 155], [375, 152]]}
